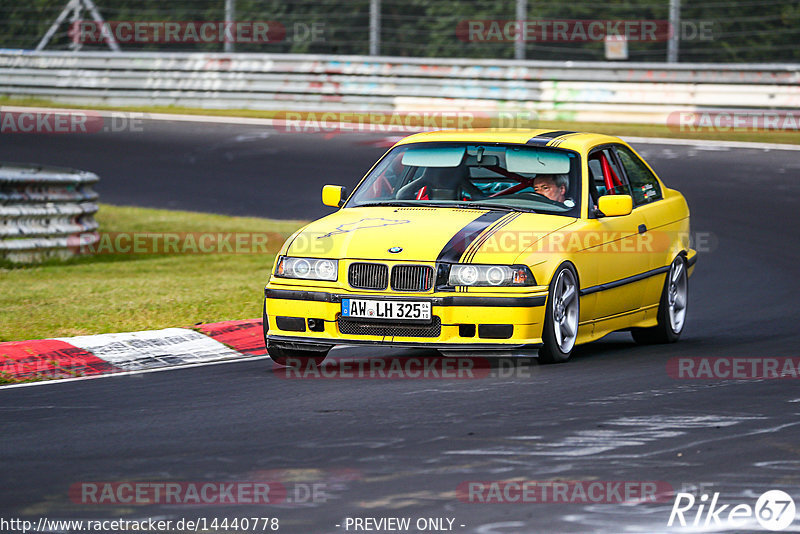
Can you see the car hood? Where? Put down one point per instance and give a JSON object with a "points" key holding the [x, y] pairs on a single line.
{"points": [[423, 234]]}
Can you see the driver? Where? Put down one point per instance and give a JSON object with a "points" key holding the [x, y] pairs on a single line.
{"points": [[395, 169], [390, 177], [552, 186]]}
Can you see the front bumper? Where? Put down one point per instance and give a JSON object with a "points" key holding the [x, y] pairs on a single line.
{"points": [[309, 319]]}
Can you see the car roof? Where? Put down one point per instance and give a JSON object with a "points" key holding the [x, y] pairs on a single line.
{"points": [[578, 141]]}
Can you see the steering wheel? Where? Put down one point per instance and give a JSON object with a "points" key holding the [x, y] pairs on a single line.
{"points": [[381, 184], [527, 195]]}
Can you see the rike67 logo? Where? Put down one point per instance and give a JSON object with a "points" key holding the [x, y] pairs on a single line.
{"points": [[774, 510]]}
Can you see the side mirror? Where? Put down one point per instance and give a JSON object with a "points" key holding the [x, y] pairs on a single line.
{"points": [[333, 195], [615, 205]]}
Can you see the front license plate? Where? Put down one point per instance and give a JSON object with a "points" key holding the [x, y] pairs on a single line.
{"points": [[387, 310]]}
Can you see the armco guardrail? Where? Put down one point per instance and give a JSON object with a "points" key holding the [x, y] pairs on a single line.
{"points": [[586, 91], [45, 212]]}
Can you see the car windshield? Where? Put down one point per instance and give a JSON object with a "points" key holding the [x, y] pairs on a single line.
{"points": [[494, 176]]}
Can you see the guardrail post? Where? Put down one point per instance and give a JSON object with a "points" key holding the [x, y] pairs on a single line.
{"points": [[675, 33], [230, 14], [374, 27], [519, 43]]}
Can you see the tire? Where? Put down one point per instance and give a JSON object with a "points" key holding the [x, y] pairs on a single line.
{"points": [[561, 317], [265, 323], [295, 358], [671, 308]]}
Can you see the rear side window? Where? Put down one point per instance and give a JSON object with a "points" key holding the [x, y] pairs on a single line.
{"points": [[606, 177], [644, 185]]}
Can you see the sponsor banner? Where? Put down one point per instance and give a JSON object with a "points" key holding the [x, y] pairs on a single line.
{"points": [[132, 351], [734, 368], [564, 492], [48, 359], [246, 337]]}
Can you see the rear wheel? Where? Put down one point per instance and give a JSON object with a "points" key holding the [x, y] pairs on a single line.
{"points": [[671, 308], [560, 329]]}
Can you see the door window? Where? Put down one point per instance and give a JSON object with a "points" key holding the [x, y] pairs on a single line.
{"points": [[644, 185]]}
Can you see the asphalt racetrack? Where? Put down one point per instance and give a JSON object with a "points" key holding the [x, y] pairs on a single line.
{"points": [[403, 448]]}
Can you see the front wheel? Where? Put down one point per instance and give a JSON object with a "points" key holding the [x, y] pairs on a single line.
{"points": [[671, 308], [560, 329]]}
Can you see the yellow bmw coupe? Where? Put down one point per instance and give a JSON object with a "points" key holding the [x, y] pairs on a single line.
{"points": [[514, 240]]}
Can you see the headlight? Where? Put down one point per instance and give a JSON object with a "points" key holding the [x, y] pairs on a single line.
{"points": [[490, 275], [307, 268]]}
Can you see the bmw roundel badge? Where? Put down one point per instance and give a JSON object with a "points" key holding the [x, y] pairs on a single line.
{"points": [[395, 250]]}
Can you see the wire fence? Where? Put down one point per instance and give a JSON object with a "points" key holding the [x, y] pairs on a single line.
{"points": [[730, 31]]}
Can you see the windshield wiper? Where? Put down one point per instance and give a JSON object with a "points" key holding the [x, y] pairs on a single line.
{"points": [[415, 204], [497, 207], [391, 203], [457, 205]]}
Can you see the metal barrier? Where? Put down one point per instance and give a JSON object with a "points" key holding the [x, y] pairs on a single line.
{"points": [[583, 91], [45, 212]]}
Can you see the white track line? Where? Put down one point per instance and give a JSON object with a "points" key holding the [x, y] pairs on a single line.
{"points": [[705, 142], [171, 117], [129, 373]]}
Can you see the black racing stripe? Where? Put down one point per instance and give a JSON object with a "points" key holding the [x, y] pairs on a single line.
{"points": [[455, 248], [305, 343], [543, 139], [557, 142], [291, 294], [489, 231], [319, 296], [494, 301], [475, 247]]}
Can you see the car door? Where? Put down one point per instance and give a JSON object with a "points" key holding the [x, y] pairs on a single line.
{"points": [[617, 255], [647, 201]]}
